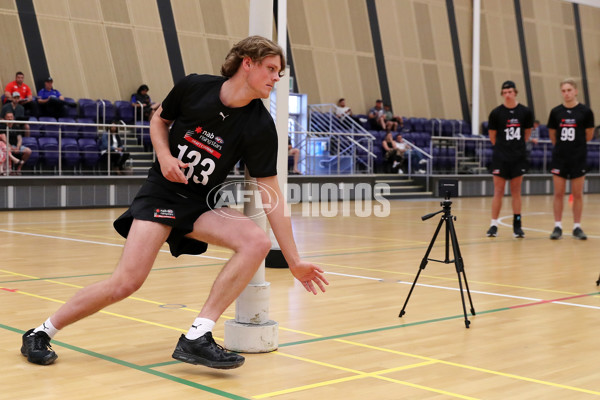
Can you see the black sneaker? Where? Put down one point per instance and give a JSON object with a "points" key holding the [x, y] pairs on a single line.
{"points": [[36, 347], [556, 233], [517, 231], [493, 231], [578, 234], [205, 351]]}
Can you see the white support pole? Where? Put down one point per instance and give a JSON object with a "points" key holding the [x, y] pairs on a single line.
{"points": [[475, 82], [252, 331]]}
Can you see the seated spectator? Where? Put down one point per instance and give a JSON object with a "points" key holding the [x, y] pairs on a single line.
{"points": [[376, 117], [51, 101], [15, 141], [341, 110], [17, 110], [141, 99], [416, 159], [118, 157], [4, 168], [392, 122], [26, 98], [294, 152], [393, 157]]}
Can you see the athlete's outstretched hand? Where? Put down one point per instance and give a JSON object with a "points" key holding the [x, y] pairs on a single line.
{"points": [[172, 169], [309, 275]]}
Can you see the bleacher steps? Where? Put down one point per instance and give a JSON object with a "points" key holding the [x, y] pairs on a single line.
{"points": [[401, 187]]}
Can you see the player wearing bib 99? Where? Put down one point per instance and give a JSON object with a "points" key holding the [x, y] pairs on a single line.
{"points": [[214, 122], [509, 127], [571, 126]]}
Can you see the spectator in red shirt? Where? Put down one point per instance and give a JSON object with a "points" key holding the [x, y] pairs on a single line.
{"points": [[26, 101]]}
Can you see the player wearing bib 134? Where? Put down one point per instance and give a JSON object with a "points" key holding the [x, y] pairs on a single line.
{"points": [[214, 122], [570, 126], [509, 128]]}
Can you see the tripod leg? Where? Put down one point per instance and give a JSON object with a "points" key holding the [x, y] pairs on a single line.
{"points": [[421, 267], [458, 263]]}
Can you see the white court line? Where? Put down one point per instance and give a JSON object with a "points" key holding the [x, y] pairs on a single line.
{"points": [[503, 295], [473, 291], [548, 231], [94, 242], [355, 276], [57, 222]]}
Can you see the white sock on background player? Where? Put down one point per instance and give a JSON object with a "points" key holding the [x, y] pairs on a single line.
{"points": [[494, 222], [558, 224]]}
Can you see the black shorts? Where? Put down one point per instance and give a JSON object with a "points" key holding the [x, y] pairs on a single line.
{"points": [[568, 168], [157, 204], [509, 169]]}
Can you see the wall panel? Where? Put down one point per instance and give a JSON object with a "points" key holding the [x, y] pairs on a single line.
{"points": [[319, 27], [196, 58], [97, 67], [213, 17], [62, 56], [305, 72], [349, 76], [154, 64], [144, 14], [115, 11], [84, 10], [188, 17], [128, 74], [12, 52]]}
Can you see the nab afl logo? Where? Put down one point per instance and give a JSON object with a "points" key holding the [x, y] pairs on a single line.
{"points": [[219, 139]]}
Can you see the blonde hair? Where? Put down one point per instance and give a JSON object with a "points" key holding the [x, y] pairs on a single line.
{"points": [[255, 47], [570, 81]]}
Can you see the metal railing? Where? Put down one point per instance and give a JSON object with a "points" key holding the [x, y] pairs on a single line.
{"points": [[58, 148]]}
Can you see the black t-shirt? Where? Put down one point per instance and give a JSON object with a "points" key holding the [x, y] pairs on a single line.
{"points": [[13, 133], [510, 125], [212, 138], [570, 125]]}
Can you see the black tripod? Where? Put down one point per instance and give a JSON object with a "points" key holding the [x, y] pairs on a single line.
{"points": [[458, 261]]}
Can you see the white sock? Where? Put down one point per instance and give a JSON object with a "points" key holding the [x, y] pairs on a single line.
{"points": [[199, 328], [48, 328], [558, 224], [576, 225], [494, 222]]}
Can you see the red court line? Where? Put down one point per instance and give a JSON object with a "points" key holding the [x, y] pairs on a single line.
{"points": [[552, 301]]}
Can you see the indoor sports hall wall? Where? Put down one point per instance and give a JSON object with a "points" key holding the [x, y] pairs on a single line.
{"points": [[415, 54]]}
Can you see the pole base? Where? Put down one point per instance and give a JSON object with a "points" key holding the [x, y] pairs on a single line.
{"points": [[251, 338], [275, 259]]}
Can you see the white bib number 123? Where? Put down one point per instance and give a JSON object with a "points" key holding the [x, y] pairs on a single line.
{"points": [[195, 158]]}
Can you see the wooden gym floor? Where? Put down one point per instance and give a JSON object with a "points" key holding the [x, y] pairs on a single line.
{"points": [[534, 336]]}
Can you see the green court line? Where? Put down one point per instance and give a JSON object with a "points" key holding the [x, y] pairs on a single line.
{"points": [[385, 328], [107, 273], [137, 367], [162, 364]]}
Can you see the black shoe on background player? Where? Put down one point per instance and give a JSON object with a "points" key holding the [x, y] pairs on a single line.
{"points": [[36, 347], [578, 234], [556, 233], [493, 231], [517, 230], [205, 351]]}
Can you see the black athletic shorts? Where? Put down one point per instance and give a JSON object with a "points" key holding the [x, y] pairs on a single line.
{"points": [[157, 204], [508, 169], [568, 168]]}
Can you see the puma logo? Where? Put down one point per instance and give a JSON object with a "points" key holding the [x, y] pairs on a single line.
{"points": [[196, 326], [223, 115]]}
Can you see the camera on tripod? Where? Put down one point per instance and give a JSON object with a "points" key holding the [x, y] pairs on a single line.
{"points": [[448, 188]]}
